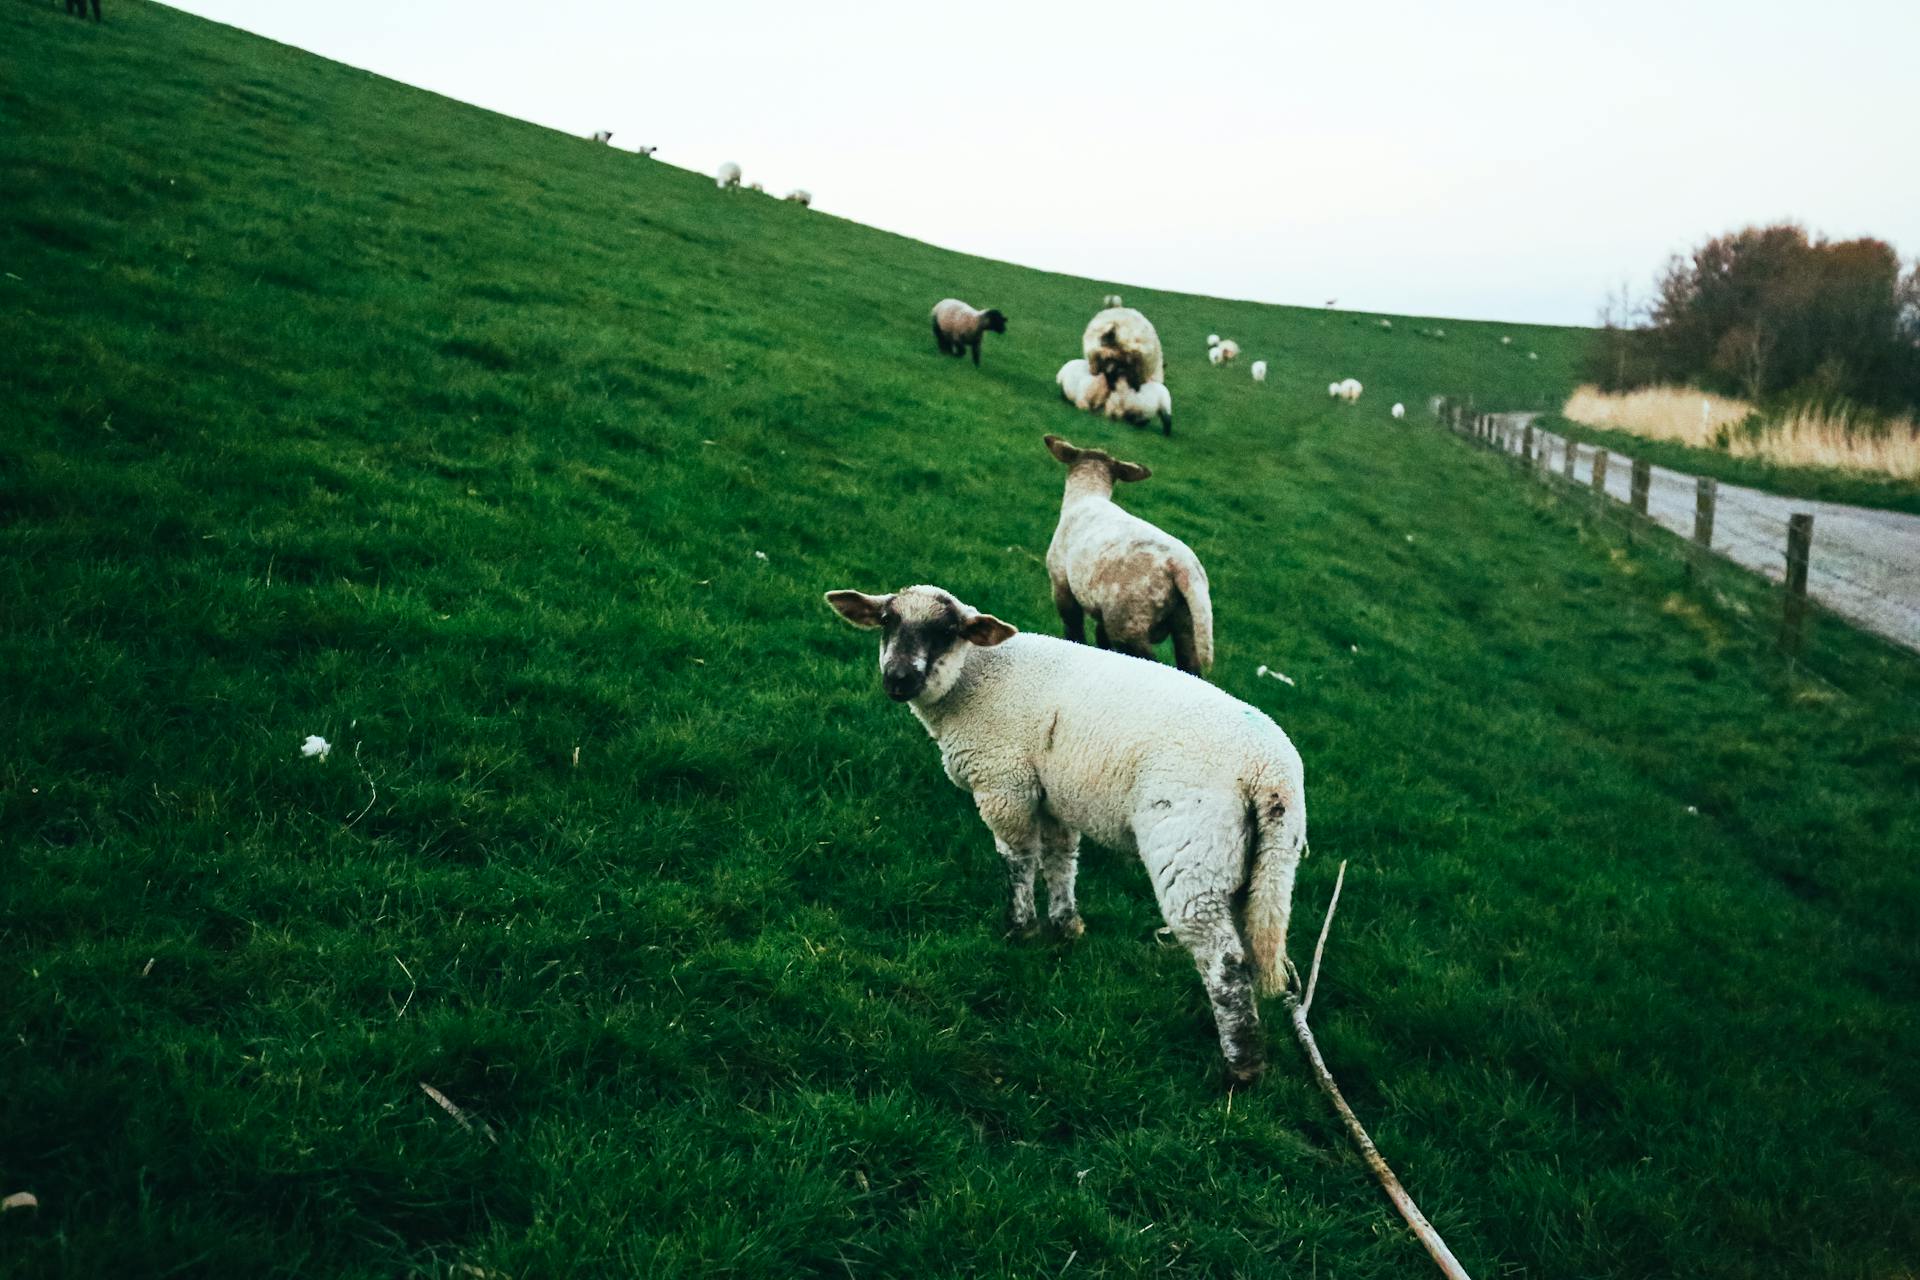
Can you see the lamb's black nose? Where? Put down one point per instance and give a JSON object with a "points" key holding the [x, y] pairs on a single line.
{"points": [[901, 685]]}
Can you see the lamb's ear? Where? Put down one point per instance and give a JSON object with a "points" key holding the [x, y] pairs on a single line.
{"points": [[1062, 450], [986, 630], [1128, 471], [860, 609]]}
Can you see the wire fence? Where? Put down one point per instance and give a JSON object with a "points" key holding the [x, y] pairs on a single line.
{"points": [[1783, 572]]}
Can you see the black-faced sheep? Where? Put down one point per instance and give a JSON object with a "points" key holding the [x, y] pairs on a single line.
{"points": [[1054, 740], [1121, 345], [727, 177], [958, 327]]}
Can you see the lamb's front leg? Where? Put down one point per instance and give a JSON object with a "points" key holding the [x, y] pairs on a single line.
{"points": [[1059, 859], [1014, 819]]}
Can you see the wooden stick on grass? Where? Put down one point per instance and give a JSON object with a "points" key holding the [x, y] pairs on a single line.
{"points": [[1297, 1013]]}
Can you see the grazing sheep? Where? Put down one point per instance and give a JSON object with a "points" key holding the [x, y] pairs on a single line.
{"points": [[1213, 339], [645, 153], [1506, 342], [758, 188], [1229, 349], [728, 176], [801, 196], [603, 135], [1533, 355], [1140, 583], [1111, 300], [1080, 388], [1399, 411], [1215, 355], [1054, 740], [1140, 406], [957, 326], [1259, 370], [1333, 391], [1121, 345], [1350, 390], [1386, 324]]}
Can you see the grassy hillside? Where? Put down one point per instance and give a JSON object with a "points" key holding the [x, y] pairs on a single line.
{"points": [[516, 466]]}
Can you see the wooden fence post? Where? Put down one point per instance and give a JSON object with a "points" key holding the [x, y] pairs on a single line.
{"points": [[1794, 617], [1526, 447], [1568, 458], [1642, 481], [1600, 472], [1706, 489]]}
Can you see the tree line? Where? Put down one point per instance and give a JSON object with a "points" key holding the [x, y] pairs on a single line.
{"points": [[1771, 313]]}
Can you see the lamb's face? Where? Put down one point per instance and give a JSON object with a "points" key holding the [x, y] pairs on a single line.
{"points": [[994, 322], [924, 636]]}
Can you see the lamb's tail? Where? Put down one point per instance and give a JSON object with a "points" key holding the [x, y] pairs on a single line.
{"points": [[1280, 840], [1192, 581]]}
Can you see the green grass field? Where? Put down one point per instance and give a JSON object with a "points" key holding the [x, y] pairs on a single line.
{"points": [[515, 466]]}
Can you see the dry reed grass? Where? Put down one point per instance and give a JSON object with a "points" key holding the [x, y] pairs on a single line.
{"points": [[1836, 437]]}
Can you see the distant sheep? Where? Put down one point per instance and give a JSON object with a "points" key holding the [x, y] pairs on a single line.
{"points": [[801, 196], [645, 152], [1213, 339], [957, 327], [757, 187], [1139, 583], [1533, 355], [603, 135], [1350, 390], [1215, 355], [1259, 370], [1140, 406], [1229, 349], [1386, 324], [1080, 388], [1399, 411], [1333, 391], [1506, 342], [727, 178], [1111, 300], [1121, 345]]}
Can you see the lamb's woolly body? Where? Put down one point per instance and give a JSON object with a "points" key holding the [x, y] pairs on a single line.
{"points": [[1259, 370], [800, 196], [1140, 406], [1333, 390], [1138, 583], [1399, 411], [1081, 389], [1229, 349], [1215, 355], [958, 326], [727, 176], [1350, 390], [1121, 345]]}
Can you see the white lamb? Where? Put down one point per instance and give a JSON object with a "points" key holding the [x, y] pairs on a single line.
{"points": [[1350, 390], [1229, 349], [1215, 355], [758, 187], [1111, 300], [1140, 583], [1213, 339], [728, 176], [1080, 388], [1259, 370], [801, 196], [1054, 740], [1140, 406], [1121, 345], [1333, 391], [1399, 411]]}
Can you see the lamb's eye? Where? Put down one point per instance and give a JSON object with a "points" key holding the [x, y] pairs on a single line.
{"points": [[887, 618]]}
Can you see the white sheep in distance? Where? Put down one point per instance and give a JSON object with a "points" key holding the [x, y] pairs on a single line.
{"points": [[1213, 339], [1215, 355], [801, 196], [727, 177], [1399, 411], [758, 188], [1139, 583], [1121, 345], [1350, 390], [1259, 370], [603, 135], [1229, 349], [958, 327], [1333, 391], [1212, 798], [1140, 406], [1111, 300], [1079, 387]]}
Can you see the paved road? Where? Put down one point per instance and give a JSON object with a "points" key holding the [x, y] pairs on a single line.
{"points": [[1865, 564]]}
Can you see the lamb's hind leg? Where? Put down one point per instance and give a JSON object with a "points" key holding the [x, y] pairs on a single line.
{"points": [[1195, 851]]}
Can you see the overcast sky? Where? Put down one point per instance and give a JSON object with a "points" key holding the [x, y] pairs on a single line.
{"points": [[1501, 161]]}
